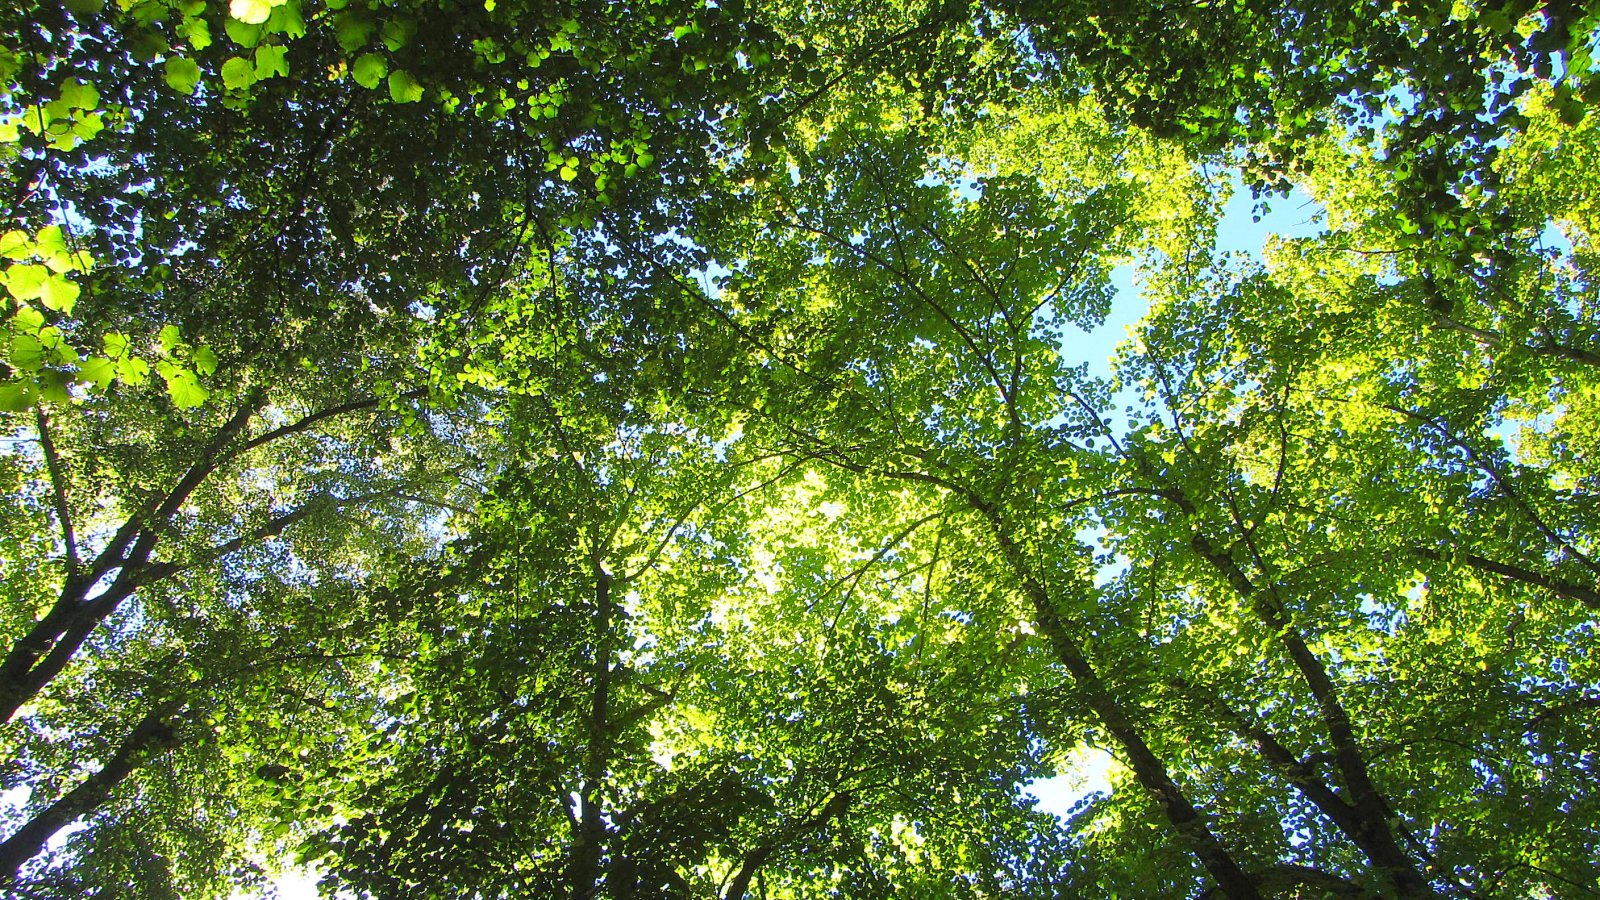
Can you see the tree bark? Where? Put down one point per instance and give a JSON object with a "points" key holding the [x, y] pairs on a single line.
{"points": [[1370, 830], [589, 829], [755, 859], [57, 637], [1586, 595], [1148, 768], [151, 737]]}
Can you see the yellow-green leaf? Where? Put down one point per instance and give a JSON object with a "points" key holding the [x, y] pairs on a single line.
{"points": [[198, 31], [183, 75], [53, 387], [26, 280], [369, 70], [205, 361], [79, 94], [251, 12], [271, 61], [99, 371], [243, 34], [59, 294], [27, 319], [27, 353], [403, 88], [133, 371], [182, 385], [15, 245], [170, 338], [16, 396], [238, 74]]}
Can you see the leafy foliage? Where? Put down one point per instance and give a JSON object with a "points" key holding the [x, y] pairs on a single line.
{"points": [[637, 450]]}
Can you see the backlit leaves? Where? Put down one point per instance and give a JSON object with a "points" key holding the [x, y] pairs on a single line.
{"points": [[665, 461], [183, 75], [403, 87]]}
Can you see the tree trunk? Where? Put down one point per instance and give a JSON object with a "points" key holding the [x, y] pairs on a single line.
{"points": [[1148, 768], [755, 859], [151, 737], [589, 829], [1369, 829]]}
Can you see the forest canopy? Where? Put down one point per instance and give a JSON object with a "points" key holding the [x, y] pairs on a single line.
{"points": [[589, 449]]}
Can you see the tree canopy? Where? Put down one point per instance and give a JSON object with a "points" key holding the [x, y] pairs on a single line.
{"points": [[610, 450]]}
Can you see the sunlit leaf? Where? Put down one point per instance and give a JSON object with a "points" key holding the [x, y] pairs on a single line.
{"points": [[251, 12], [183, 75], [369, 69], [238, 73], [403, 88]]}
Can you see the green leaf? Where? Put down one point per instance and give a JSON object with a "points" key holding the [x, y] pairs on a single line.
{"points": [[369, 70], [396, 33], [403, 88], [251, 12], [183, 75], [17, 396], [244, 34], [271, 61], [352, 30], [65, 354], [53, 387], [27, 353], [99, 371], [133, 371], [148, 46], [197, 31], [15, 245], [116, 344], [182, 385], [287, 21], [205, 361], [79, 94], [50, 241], [238, 74], [27, 319], [87, 127], [25, 281], [59, 294], [170, 338]]}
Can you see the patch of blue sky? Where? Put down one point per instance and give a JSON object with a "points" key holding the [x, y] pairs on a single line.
{"points": [[1245, 228]]}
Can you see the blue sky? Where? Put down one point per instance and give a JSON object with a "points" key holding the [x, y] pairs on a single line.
{"points": [[1295, 216]]}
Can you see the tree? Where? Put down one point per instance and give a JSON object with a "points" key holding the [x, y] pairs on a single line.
{"points": [[610, 450]]}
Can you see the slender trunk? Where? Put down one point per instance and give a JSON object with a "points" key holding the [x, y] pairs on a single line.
{"points": [[752, 864], [1148, 768], [1370, 831], [39, 656], [151, 737], [584, 869], [57, 637], [1347, 818]]}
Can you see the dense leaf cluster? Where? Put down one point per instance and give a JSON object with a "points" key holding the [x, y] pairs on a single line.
{"points": [[596, 449]]}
